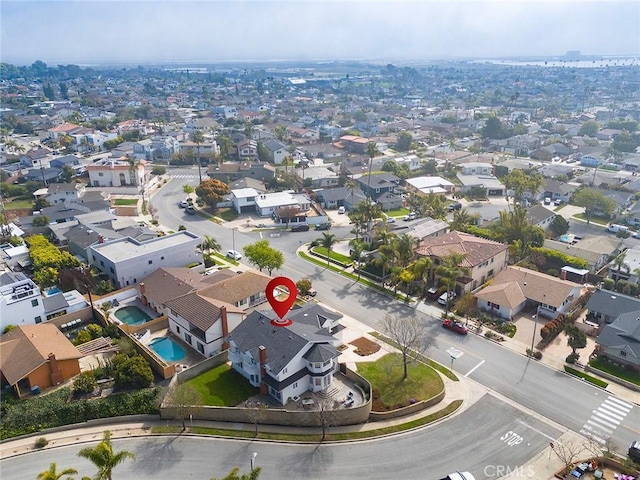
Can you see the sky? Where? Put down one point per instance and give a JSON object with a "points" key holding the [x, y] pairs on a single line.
{"points": [[187, 31]]}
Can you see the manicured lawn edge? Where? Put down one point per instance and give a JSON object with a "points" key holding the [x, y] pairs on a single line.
{"points": [[433, 364], [606, 367], [317, 437], [595, 381]]}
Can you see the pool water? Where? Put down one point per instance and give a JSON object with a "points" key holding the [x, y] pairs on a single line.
{"points": [[169, 350], [52, 291], [132, 315]]}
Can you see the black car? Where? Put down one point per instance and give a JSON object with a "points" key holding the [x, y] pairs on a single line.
{"points": [[455, 206], [300, 228], [323, 226]]}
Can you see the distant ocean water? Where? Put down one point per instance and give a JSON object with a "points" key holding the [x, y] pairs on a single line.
{"points": [[558, 63]]}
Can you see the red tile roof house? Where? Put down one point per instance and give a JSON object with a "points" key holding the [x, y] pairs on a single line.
{"points": [[483, 258], [516, 288], [37, 356]]}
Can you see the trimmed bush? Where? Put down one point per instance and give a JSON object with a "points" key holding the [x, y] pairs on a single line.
{"points": [[84, 383], [572, 358], [41, 442]]}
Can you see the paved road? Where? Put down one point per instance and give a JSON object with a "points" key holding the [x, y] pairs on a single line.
{"points": [[492, 433], [553, 394]]}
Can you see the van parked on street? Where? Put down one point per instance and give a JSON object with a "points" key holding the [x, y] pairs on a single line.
{"points": [[615, 228]]}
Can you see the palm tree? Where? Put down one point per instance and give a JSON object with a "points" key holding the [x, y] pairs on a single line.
{"points": [[132, 169], [53, 474], [209, 244], [327, 241], [462, 218], [450, 270], [372, 151], [405, 249], [620, 264], [421, 269], [357, 248], [197, 137], [103, 457]]}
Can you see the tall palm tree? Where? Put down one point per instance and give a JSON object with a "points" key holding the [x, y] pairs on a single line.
{"points": [[197, 137], [421, 269], [133, 180], [405, 249], [372, 151], [327, 241], [462, 218], [357, 248], [103, 457], [209, 244], [620, 264], [450, 270], [53, 474]]}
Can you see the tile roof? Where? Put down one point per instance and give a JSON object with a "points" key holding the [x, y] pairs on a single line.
{"points": [[237, 288], [167, 283], [199, 311], [539, 287], [507, 294], [27, 347], [476, 249]]}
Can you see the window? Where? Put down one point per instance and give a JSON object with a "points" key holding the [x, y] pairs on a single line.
{"points": [[38, 319], [34, 303], [493, 306], [178, 329], [200, 347], [295, 385], [102, 263], [187, 338], [100, 174], [317, 381], [111, 270], [284, 370], [150, 262], [161, 258], [623, 353]]}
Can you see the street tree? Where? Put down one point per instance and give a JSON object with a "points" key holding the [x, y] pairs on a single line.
{"points": [[593, 201], [264, 256], [255, 412], [589, 128], [404, 141], [183, 398], [211, 191], [567, 452], [209, 243], [197, 137], [104, 457], [327, 241], [325, 414], [576, 338], [53, 474], [303, 285], [357, 249], [421, 269], [188, 189], [409, 336]]}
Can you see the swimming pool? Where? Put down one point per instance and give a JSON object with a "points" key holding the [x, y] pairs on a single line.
{"points": [[52, 291], [167, 349], [132, 315]]}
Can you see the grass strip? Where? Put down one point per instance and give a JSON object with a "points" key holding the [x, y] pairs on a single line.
{"points": [[317, 437], [611, 369], [587, 377], [433, 364]]}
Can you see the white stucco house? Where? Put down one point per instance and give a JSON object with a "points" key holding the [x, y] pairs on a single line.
{"points": [[20, 301]]}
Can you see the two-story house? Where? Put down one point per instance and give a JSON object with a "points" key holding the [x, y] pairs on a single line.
{"points": [[539, 216], [126, 260], [112, 172], [619, 341], [483, 259], [376, 184], [277, 150], [604, 306], [427, 185], [20, 301], [248, 150], [284, 362]]}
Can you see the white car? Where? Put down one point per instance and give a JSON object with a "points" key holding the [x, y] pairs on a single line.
{"points": [[459, 476], [233, 254], [183, 204]]}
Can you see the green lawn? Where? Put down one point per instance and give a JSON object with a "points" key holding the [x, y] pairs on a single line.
{"points": [[222, 387], [18, 204], [612, 369], [227, 214], [385, 376], [334, 255], [597, 221], [125, 201], [398, 213]]}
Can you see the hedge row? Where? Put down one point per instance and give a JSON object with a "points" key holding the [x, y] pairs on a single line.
{"points": [[55, 409]]}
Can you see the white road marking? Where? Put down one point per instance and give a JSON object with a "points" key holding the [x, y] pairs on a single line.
{"points": [[606, 418], [609, 416], [599, 427], [622, 403], [537, 431], [473, 369]]}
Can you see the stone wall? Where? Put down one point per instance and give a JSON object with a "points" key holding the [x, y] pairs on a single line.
{"points": [[408, 410]]}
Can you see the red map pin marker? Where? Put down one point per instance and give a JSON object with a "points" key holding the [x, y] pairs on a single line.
{"points": [[281, 308]]}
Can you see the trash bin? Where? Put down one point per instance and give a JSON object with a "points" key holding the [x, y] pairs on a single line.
{"points": [[35, 390]]}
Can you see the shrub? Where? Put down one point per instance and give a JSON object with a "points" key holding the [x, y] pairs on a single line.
{"points": [[134, 372], [83, 337], [158, 170], [41, 221], [303, 285], [41, 442], [84, 383], [621, 284], [181, 228], [608, 283], [572, 358], [94, 330]]}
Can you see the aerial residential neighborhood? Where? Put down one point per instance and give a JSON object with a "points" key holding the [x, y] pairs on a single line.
{"points": [[146, 210]]}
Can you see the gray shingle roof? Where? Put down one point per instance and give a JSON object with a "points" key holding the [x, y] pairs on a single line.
{"points": [[624, 334], [313, 314], [321, 353], [281, 343], [611, 303]]}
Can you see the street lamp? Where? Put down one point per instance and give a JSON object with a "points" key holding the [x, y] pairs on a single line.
{"points": [[253, 459]]}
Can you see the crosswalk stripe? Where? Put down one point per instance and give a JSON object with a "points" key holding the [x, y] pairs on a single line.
{"points": [[595, 437], [612, 414], [603, 422], [612, 411], [610, 418], [622, 403], [600, 427]]}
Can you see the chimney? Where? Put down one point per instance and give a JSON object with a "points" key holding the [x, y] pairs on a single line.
{"points": [[56, 373], [143, 294], [563, 274], [263, 370], [225, 327]]}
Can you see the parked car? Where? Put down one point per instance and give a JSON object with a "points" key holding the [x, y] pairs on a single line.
{"points": [[391, 220], [312, 292], [303, 227], [455, 326], [635, 235], [191, 210], [323, 226], [341, 210], [557, 202], [183, 204], [411, 216], [234, 254], [634, 451], [615, 228], [433, 293], [445, 297], [454, 206]]}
